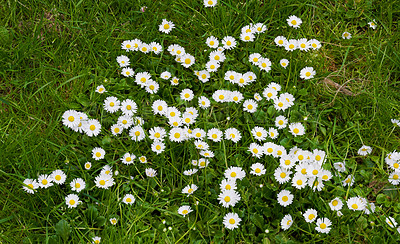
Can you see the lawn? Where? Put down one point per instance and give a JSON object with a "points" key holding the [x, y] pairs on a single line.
{"points": [[54, 56]]}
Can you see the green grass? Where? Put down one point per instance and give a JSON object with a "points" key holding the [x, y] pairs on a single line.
{"points": [[52, 57]]}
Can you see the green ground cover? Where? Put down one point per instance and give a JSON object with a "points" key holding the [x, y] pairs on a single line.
{"points": [[53, 55]]}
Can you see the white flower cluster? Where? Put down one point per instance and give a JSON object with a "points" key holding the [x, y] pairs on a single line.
{"points": [[240, 79], [181, 56], [302, 44], [260, 62], [392, 159], [80, 122], [248, 32]]}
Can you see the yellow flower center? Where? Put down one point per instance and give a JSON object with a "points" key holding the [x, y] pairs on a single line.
{"points": [[280, 42], [396, 165], [217, 57], [77, 185], [335, 202], [285, 198], [177, 135], [255, 150], [172, 114], [127, 72], [303, 45], [272, 134], [241, 80], [128, 199], [264, 65], [304, 171], [158, 147], [314, 45], [258, 134], [228, 43], [137, 133], [71, 118], [308, 74], [233, 174], [315, 172], [270, 150], [258, 170], [116, 130], [157, 135], [58, 177], [296, 131], [30, 186], [232, 135], [143, 159], [185, 212], [87, 166], [212, 66], [232, 221], [228, 187], [395, 177], [175, 123], [190, 190], [114, 221], [202, 163], [317, 157], [128, 46], [128, 159], [291, 46], [211, 42], [214, 136], [221, 97], [151, 87], [187, 95], [203, 103], [124, 121], [235, 99], [98, 154], [232, 77], [322, 226], [287, 162], [187, 61], [198, 134], [166, 26], [227, 199], [279, 153], [250, 106], [255, 60], [311, 216], [247, 38], [72, 202], [92, 127], [203, 76], [300, 157], [325, 177], [283, 64], [354, 206], [294, 22], [299, 182], [283, 175]]}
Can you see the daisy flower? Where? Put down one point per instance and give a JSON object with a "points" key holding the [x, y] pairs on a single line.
{"points": [[202, 163], [264, 64], [212, 42], [187, 95], [135, 44], [247, 37], [340, 166], [157, 133], [127, 72], [123, 61], [184, 210], [128, 158], [128, 107], [152, 87], [165, 75], [217, 56], [372, 24], [299, 181], [303, 44], [158, 147], [280, 41], [111, 104], [310, 215], [364, 150], [187, 60], [127, 45], [346, 35], [212, 66], [71, 118], [284, 63], [391, 222], [204, 102], [281, 122], [151, 172], [228, 42], [104, 181], [336, 204], [273, 133], [189, 189], [282, 175], [113, 221], [143, 159], [128, 199], [297, 129], [259, 133], [92, 127], [207, 153], [286, 222], [270, 93], [257, 169], [294, 21], [88, 165], [159, 107], [323, 225], [204, 76], [307, 73], [256, 150], [166, 26], [58, 177], [190, 172], [98, 153], [291, 45], [125, 121], [260, 28], [214, 134], [137, 133], [77, 184], [236, 96], [285, 198], [100, 89], [227, 184], [250, 106], [233, 134], [231, 221], [30, 185], [355, 203], [96, 240], [72, 200], [234, 173], [156, 48], [314, 44], [394, 177], [349, 181]]}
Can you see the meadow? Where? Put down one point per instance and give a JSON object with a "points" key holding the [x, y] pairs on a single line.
{"points": [[103, 141]]}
